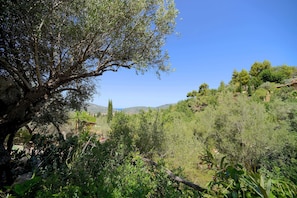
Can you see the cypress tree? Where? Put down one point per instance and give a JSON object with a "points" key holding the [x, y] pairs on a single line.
{"points": [[109, 111]]}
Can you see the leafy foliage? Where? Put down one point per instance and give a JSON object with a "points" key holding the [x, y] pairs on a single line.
{"points": [[240, 144], [233, 180], [241, 129], [92, 169], [143, 132]]}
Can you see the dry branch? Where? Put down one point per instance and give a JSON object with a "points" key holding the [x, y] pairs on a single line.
{"points": [[177, 178]]}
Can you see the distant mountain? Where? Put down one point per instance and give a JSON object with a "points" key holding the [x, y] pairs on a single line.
{"points": [[93, 108], [135, 109], [165, 106]]}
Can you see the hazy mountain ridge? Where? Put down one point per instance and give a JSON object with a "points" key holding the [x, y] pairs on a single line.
{"points": [[93, 108]]}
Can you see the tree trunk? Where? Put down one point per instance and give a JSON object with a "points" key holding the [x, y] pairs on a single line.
{"points": [[5, 167], [10, 123], [6, 177]]}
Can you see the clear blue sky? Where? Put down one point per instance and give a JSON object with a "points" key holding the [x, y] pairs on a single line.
{"points": [[216, 37]]}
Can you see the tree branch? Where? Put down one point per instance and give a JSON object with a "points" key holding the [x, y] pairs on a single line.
{"points": [[67, 89], [176, 178], [13, 70], [37, 66]]}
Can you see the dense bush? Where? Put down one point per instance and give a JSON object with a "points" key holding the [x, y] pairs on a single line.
{"points": [[92, 169], [233, 180]]}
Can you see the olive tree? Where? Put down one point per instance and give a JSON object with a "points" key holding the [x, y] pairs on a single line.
{"points": [[51, 50], [241, 129]]}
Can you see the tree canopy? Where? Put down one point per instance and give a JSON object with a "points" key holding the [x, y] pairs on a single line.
{"points": [[50, 50]]}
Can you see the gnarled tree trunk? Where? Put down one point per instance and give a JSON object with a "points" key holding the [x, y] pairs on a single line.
{"points": [[7, 133], [10, 122]]}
